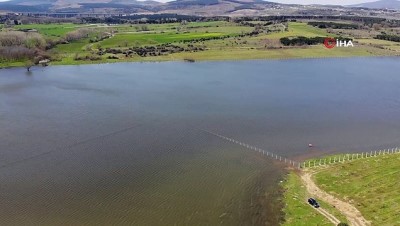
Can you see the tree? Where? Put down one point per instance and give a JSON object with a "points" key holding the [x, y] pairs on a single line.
{"points": [[28, 65]]}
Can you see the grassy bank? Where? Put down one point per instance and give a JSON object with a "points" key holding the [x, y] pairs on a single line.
{"points": [[371, 185], [297, 210], [216, 40]]}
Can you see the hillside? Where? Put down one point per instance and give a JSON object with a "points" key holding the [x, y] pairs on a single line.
{"points": [[382, 4], [193, 7]]}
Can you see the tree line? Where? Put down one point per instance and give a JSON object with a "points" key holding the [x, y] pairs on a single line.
{"points": [[301, 40], [334, 25], [393, 38]]}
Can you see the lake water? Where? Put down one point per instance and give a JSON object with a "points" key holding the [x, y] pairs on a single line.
{"points": [[122, 143]]}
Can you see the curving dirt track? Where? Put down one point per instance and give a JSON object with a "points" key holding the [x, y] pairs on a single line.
{"points": [[327, 215], [350, 212]]}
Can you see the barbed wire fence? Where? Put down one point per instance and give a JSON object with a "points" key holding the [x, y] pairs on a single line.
{"points": [[272, 155], [342, 158]]}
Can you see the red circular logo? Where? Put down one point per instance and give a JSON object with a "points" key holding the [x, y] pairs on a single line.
{"points": [[330, 43]]}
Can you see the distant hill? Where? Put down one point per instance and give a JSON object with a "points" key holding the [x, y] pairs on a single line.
{"points": [[192, 7], [382, 4]]}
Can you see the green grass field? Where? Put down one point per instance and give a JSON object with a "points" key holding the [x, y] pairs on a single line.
{"points": [[371, 184], [50, 30], [299, 29], [297, 211], [233, 48]]}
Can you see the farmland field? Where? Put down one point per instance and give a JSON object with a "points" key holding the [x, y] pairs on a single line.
{"points": [[50, 30], [214, 40]]}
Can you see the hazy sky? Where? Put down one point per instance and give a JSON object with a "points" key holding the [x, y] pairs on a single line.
{"points": [[331, 2]]}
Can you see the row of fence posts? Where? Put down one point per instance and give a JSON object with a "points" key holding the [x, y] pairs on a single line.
{"points": [[263, 152], [312, 163], [347, 157]]}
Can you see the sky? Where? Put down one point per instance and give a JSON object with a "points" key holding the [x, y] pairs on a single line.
{"points": [[330, 2]]}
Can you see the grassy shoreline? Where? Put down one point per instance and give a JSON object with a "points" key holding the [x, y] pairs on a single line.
{"points": [[158, 60], [195, 41], [369, 184], [297, 211]]}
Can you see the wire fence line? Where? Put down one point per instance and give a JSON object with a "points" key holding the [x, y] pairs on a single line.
{"points": [[261, 151], [341, 158], [347, 158]]}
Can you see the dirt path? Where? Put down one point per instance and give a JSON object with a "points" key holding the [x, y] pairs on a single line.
{"points": [[327, 215], [350, 212]]}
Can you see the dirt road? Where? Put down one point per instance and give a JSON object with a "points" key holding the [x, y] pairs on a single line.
{"points": [[327, 215], [350, 212]]}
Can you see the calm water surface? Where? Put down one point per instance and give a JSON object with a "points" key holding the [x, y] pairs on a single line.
{"points": [[120, 143]]}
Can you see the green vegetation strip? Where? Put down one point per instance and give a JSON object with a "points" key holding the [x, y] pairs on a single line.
{"points": [[138, 39]]}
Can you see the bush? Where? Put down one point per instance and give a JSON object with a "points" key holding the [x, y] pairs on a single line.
{"points": [[90, 57], [393, 38], [16, 53], [77, 34], [18, 38]]}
